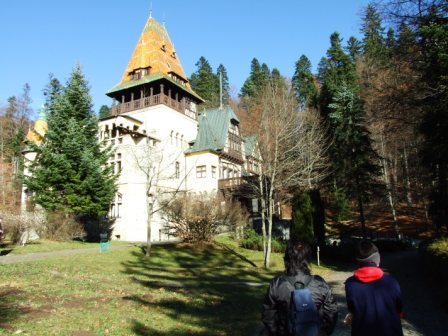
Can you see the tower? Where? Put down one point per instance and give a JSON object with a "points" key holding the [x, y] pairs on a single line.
{"points": [[154, 75]]}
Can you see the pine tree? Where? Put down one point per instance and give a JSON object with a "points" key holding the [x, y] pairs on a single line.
{"points": [[433, 37], [70, 173], [225, 83], [354, 48], [104, 112], [334, 70], [373, 43], [258, 78], [205, 83], [303, 83], [355, 169]]}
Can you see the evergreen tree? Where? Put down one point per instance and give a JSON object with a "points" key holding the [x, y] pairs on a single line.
{"points": [[70, 173], [334, 70], [205, 83], [104, 112], [302, 226], [433, 37], [356, 170], [354, 48], [225, 83], [373, 40], [303, 83], [258, 78]]}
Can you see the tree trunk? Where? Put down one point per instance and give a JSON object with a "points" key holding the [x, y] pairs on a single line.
{"points": [[388, 187], [263, 218], [408, 182], [361, 210], [148, 225]]}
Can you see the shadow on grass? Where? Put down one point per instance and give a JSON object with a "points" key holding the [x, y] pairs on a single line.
{"points": [[9, 311], [206, 290]]}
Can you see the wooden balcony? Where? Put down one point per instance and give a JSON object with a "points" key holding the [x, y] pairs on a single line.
{"points": [[231, 183], [180, 106]]}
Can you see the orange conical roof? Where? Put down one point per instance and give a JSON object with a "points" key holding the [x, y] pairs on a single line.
{"points": [[155, 51], [36, 135]]}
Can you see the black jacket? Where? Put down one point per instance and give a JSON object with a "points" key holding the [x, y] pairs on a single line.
{"points": [[276, 304]]}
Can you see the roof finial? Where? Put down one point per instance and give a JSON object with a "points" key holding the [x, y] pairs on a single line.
{"points": [[150, 9]]}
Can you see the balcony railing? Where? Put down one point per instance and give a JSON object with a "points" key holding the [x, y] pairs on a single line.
{"points": [[231, 183], [180, 106]]}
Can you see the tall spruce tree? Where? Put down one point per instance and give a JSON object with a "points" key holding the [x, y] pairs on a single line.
{"points": [[303, 83], [70, 173], [354, 158], [373, 41], [433, 38], [222, 71], [258, 78], [205, 83], [334, 70]]}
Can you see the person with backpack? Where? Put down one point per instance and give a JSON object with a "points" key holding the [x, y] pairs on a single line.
{"points": [[298, 303], [373, 297]]}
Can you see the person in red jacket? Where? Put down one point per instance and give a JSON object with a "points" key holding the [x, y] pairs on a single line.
{"points": [[373, 297]]}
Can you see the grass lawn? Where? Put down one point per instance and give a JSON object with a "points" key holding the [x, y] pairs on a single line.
{"points": [[47, 246], [180, 290]]}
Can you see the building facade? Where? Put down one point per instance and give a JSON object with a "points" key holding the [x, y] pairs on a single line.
{"points": [[163, 142]]}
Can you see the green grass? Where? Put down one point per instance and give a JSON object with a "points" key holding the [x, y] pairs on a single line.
{"points": [[439, 247], [180, 290], [47, 246]]}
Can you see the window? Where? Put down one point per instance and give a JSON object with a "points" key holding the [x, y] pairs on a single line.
{"points": [[177, 170], [214, 171], [118, 163], [201, 171]]}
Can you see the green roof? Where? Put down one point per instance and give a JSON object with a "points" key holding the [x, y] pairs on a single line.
{"points": [[213, 129], [249, 144], [149, 79]]}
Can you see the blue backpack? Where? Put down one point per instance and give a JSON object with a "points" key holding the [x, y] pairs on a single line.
{"points": [[303, 317]]}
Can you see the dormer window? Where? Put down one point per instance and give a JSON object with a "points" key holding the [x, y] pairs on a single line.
{"points": [[173, 55], [163, 48], [140, 73], [233, 128]]}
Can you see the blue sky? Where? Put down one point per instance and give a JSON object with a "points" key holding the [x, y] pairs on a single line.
{"points": [[51, 36]]}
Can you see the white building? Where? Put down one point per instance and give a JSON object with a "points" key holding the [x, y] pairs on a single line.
{"points": [[163, 143]]}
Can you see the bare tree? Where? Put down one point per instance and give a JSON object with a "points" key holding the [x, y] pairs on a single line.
{"points": [[293, 150], [162, 178], [198, 218]]}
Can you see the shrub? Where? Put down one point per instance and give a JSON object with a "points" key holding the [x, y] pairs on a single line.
{"points": [[199, 217], [16, 224], [302, 218], [62, 227], [253, 241], [340, 205], [434, 254]]}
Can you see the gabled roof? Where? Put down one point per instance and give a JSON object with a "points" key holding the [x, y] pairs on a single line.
{"points": [[213, 127]]}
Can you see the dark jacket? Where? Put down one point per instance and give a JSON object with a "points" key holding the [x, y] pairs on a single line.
{"points": [[374, 299], [276, 304]]}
